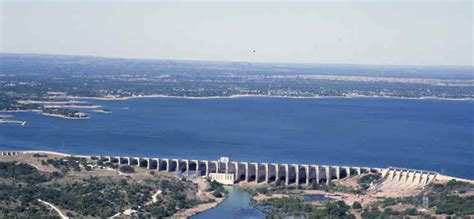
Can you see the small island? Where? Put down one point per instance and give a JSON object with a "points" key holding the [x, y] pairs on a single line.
{"points": [[64, 113]]}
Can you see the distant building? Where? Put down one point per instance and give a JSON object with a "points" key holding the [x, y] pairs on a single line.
{"points": [[224, 178]]}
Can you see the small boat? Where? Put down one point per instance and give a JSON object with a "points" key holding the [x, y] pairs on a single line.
{"points": [[23, 123]]}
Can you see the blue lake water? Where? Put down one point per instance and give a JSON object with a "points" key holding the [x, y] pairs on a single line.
{"points": [[424, 134]]}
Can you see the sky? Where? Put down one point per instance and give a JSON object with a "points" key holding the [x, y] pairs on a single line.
{"points": [[399, 33]]}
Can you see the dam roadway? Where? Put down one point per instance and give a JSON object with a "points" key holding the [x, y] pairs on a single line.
{"points": [[255, 172]]}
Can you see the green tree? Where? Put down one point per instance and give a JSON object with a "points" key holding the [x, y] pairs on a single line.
{"points": [[356, 205]]}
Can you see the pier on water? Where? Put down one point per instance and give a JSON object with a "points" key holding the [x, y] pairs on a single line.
{"points": [[231, 172]]}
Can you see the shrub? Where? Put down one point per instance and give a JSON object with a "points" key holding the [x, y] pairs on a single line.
{"points": [[338, 208], [390, 212], [127, 169], [411, 211], [217, 194], [262, 190], [356, 205], [389, 202], [366, 180]]}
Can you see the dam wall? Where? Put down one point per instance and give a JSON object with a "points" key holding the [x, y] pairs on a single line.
{"points": [[396, 177], [288, 174], [264, 173]]}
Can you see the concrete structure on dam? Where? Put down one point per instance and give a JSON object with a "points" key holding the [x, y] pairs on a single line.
{"points": [[265, 173], [395, 177]]}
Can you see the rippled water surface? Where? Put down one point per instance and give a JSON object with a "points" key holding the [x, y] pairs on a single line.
{"points": [[424, 134]]}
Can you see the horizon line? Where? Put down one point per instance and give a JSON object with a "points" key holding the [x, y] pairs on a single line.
{"points": [[236, 61]]}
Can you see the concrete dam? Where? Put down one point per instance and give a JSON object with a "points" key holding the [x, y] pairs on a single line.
{"points": [[265, 173], [395, 177], [296, 174]]}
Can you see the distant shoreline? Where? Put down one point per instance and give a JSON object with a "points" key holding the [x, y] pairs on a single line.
{"points": [[263, 96]]}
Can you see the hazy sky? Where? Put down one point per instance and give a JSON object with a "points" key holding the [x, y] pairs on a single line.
{"points": [[426, 33]]}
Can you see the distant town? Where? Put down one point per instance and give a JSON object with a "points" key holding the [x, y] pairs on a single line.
{"points": [[52, 85]]}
